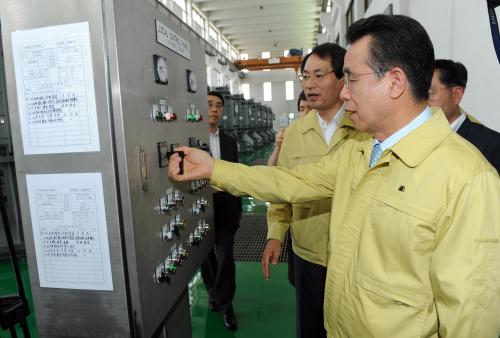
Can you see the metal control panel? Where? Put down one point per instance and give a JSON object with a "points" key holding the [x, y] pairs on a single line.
{"points": [[149, 80]]}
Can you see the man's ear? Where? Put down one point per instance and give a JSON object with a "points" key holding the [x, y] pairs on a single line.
{"points": [[398, 82], [457, 94]]}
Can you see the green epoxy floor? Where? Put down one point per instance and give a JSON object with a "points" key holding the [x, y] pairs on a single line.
{"points": [[263, 309]]}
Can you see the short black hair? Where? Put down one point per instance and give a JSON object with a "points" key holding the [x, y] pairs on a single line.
{"points": [[212, 93], [398, 41], [451, 73], [302, 97], [330, 51]]}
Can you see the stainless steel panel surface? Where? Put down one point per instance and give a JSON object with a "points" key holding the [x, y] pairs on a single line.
{"points": [[123, 42]]}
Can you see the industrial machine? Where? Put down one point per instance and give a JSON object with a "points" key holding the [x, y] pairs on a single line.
{"points": [[100, 93], [249, 122]]}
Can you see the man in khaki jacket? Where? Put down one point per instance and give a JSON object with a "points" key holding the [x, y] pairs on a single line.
{"points": [[415, 227], [307, 140]]}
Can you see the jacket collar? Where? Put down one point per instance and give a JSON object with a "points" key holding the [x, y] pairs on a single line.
{"points": [[310, 121], [419, 144]]}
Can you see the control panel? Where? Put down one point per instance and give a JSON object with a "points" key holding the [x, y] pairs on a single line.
{"points": [[141, 88]]}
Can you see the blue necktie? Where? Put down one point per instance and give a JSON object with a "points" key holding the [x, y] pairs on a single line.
{"points": [[376, 152]]}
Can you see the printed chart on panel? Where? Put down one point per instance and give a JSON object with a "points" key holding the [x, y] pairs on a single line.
{"points": [[69, 230], [55, 89]]}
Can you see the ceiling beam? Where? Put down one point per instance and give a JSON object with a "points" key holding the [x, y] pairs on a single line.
{"points": [[259, 64], [262, 39], [275, 12], [214, 5], [268, 19], [265, 30], [252, 48], [277, 34]]}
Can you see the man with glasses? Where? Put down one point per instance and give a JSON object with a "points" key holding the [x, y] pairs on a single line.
{"points": [[310, 138], [447, 89], [414, 245]]}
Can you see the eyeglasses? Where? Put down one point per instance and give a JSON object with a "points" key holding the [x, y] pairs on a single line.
{"points": [[314, 76], [349, 78]]}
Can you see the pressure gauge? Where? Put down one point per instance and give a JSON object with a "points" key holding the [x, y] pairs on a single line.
{"points": [[191, 81], [161, 69]]}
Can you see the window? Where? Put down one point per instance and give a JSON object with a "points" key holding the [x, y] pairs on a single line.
{"points": [[329, 6], [245, 90], [198, 23], [268, 95], [309, 51], [209, 77], [289, 90], [233, 55], [213, 37], [223, 45], [182, 12], [244, 56], [266, 55], [215, 78]]}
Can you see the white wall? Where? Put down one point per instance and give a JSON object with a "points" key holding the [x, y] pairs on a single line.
{"points": [[280, 106], [459, 30], [464, 35]]}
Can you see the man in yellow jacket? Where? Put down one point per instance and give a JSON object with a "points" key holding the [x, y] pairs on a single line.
{"points": [[307, 140], [415, 227]]}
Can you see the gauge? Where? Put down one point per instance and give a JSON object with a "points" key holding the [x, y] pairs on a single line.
{"points": [[161, 69], [191, 81]]}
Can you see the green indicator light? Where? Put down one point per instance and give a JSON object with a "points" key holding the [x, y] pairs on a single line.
{"points": [[171, 267]]}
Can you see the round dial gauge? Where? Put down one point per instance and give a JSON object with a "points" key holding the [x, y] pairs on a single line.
{"points": [[161, 69], [192, 82]]}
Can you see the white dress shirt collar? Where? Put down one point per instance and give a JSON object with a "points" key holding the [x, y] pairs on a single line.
{"points": [[458, 122], [215, 144], [329, 128]]}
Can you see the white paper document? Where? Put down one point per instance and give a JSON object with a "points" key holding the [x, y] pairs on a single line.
{"points": [[69, 230], [55, 89]]}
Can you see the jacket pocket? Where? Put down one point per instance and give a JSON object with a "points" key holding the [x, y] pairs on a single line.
{"points": [[401, 221], [300, 158], [387, 310]]}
